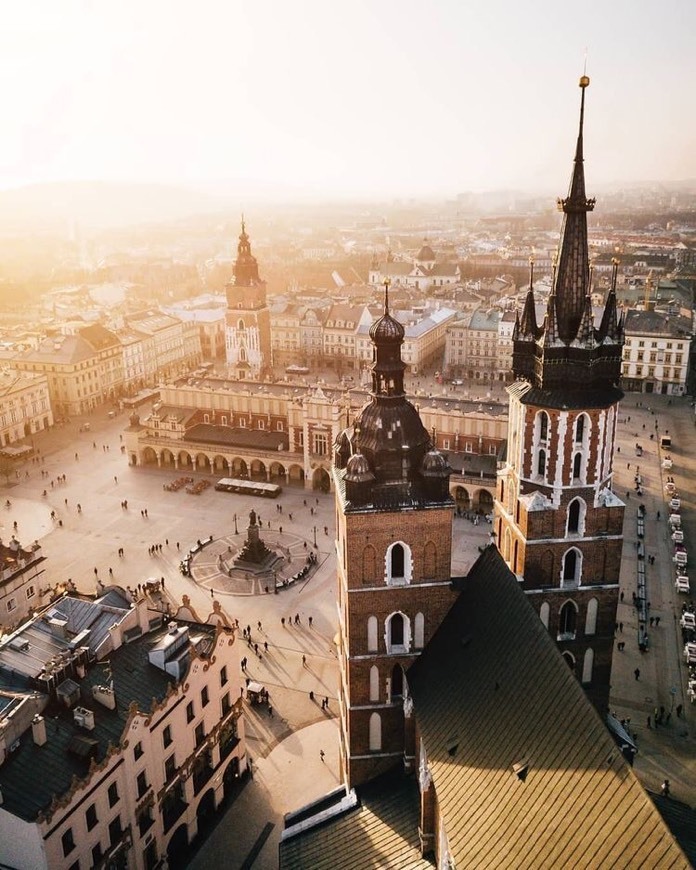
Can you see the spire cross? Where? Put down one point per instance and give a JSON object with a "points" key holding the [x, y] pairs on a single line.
{"points": [[387, 283], [531, 272]]}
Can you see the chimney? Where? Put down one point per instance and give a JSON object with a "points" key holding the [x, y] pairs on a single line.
{"points": [[38, 730]]}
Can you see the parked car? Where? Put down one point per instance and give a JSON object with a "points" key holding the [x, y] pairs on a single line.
{"points": [[681, 584]]}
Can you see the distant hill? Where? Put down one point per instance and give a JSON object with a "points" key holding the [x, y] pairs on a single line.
{"points": [[99, 204]]}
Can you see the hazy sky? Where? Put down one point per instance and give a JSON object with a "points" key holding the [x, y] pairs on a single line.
{"points": [[358, 97]]}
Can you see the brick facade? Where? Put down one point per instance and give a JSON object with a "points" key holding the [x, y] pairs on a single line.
{"points": [[367, 592], [554, 496]]}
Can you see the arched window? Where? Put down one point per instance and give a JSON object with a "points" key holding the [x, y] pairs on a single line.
{"points": [[399, 564], [577, 466], [369, 564], [374, 683], [419, 631], [544, 611], [515, 551], [429, 560], [242, 354], [576, 516], [375, 732], [541, 462], [587, 664], [398, 634], [240, 325], [397, 683], [372, 634], [570, 660], [507, 545], [543, 426], [591, 616], [580, 429], [572, 567], [567, 621], [502, 490]]}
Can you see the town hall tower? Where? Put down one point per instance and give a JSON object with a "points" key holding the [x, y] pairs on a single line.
{"points": [[247, 320]]}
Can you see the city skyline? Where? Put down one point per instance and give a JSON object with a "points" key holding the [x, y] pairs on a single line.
{"points": [[309, 101]]}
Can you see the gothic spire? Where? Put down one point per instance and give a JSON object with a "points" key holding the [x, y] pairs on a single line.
{"points": [[572, 278], [528, 326], [610, 328]]}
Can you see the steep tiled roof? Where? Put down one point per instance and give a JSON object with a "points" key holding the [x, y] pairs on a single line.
{"points": [[493, 695], [382, 831]]}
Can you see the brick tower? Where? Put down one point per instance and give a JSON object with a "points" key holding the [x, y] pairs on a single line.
{"points": [[558, 522], [247, 321], [394, 541]]}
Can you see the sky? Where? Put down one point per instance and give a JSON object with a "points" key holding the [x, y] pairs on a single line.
{"points": [[359, 98]]}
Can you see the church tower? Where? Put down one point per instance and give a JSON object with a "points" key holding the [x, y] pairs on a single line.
{"points": [[558, 522], [394, 541], [247, 320]]}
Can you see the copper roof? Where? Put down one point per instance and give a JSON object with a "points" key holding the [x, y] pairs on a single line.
{"points": [[493, 696]]}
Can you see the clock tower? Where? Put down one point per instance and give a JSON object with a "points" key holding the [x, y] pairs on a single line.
{"points": [[247, 320]]}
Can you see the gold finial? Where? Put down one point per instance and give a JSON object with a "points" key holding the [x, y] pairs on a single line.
{"points": [[584, 81]]}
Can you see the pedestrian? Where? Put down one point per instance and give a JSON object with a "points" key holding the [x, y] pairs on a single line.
{"points": [[297, 619], [270, 711], [326, 703], [145, 512], [657, 621], [282, 621], [621, 597], [111, 572], [679, 711], [259, 625], [177, 545], [665, 788], [265, 646], [162, 581], [115, 479], [304, 661], [256, 648], [636, 673], [311, 696], [321, 755], [649, 725], [621, 627], [311, 620]]}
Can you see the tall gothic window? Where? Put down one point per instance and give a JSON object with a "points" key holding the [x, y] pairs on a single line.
{"points": [[572, 564], [574, 516], [541, 463], [577, 466], [543, 426], [580, 428], [568, 621], [397, 562]]}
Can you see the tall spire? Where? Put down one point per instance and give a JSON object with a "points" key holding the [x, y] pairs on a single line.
{"points": [[246, 269], [572, 277], [528, 325]]}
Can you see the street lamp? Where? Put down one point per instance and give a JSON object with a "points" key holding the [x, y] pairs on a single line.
{"points": [[235, 525], [314, 530]]}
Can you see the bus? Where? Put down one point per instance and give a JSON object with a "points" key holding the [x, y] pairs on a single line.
{"points": [[248, 487], [141, 398]]}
